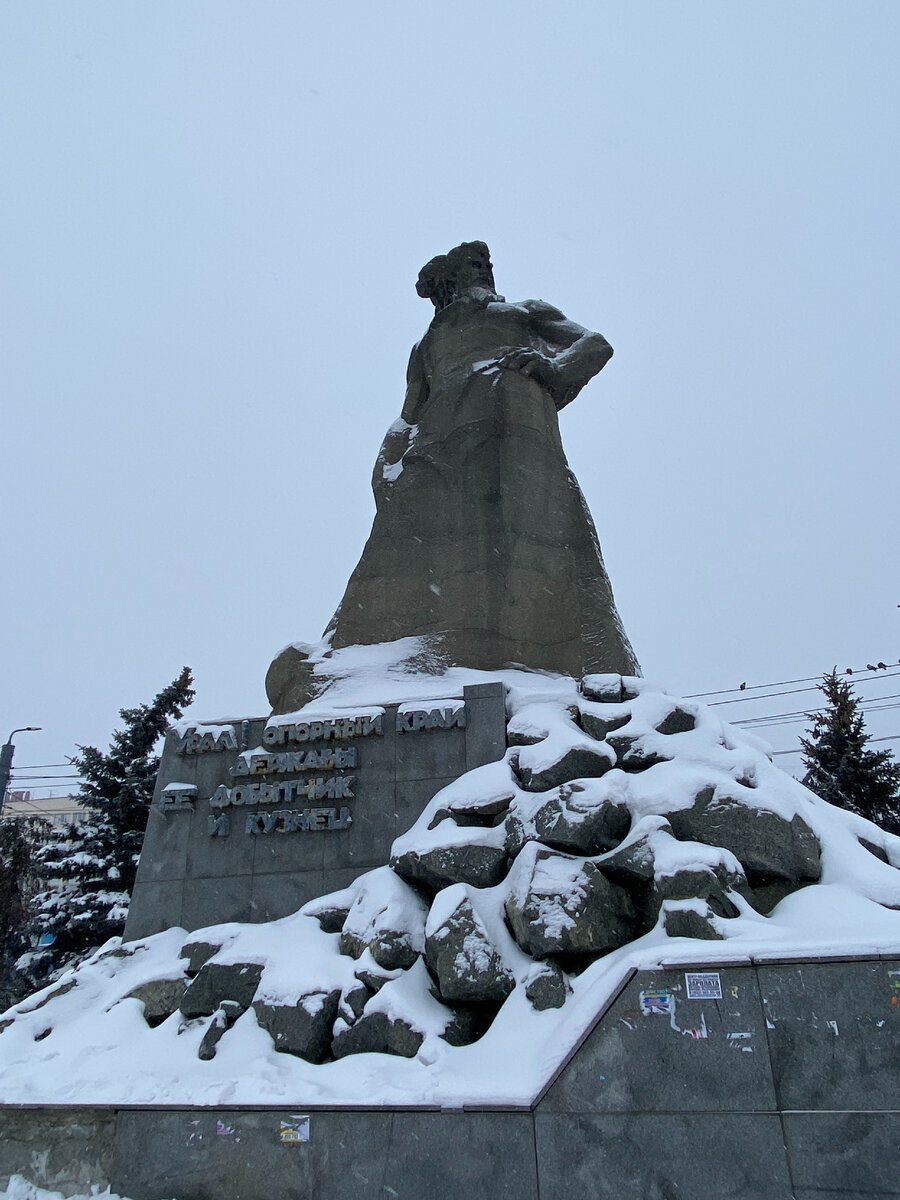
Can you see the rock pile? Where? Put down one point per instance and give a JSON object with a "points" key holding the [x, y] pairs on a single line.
{"points": [[616, 811]]}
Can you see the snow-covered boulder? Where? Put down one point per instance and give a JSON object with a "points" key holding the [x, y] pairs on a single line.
{"points": [[215, 982], [160, 997], [539, 769], [690, 919], [546, 986], [387, 918], [563, 905], [462, 957], [613, 689], [397, 1019], [582, 817], [633, 862], [221, 1021], [600, 720], [197, 953], [770, 847], [304, 1028], [655, 866], [505, 916], [453, 854], [377, 1033]]}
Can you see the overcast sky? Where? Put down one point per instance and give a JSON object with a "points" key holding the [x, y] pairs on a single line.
{"points": [[212, 215]]}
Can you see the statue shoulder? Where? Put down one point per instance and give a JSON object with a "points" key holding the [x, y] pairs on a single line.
{"points": [[547, 322], [542, 310]]}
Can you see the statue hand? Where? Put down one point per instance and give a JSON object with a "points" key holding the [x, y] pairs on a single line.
{"points": [[530, 362]]}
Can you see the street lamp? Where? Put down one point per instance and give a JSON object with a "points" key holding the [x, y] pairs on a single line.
{"points": [[6, 757]]}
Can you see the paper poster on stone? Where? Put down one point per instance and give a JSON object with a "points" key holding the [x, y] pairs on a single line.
{"points": [[657, 1001], [703, 985], [293, 1130]]}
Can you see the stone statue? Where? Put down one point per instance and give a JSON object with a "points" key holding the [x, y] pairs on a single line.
{"points": [[482, 539]]}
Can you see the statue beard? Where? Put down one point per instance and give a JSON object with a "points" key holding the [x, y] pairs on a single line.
{"points": [[480, 295]]}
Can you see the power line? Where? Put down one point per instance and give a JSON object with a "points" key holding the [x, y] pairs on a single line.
{"points": [[872, 672], [774, 724], [791, 692], [44, 766], [872, 705], [893, 737], [45, 787], [28, 779], [67, 814]]}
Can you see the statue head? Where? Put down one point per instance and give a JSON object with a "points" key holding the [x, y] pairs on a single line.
{"points": [[448, 276]]}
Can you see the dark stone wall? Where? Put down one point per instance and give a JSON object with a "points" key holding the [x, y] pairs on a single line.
{"points": [[733, 1097], [803, 1105], [65, 1149], [350, 1156], [188, 877]]}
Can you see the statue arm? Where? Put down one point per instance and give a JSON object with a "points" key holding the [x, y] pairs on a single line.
{"points": [[416, 387], [565, 371], [399, 438]]}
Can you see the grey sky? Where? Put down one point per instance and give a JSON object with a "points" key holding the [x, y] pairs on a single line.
{"points": [[212, 219]]}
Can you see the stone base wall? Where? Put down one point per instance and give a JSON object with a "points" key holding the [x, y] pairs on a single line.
{"points": [[779, 1083], [244, 828], [65, 1149]]}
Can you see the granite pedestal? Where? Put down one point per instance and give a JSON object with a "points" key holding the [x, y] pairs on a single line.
{"points": [[252, 819], [780, 1084]]}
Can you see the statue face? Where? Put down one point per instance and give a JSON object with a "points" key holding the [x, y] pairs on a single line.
{"points": [[474, 269]]}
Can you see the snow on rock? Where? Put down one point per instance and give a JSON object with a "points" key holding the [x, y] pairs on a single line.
{"points": [[19, 1188], [160, 997], [216, 982], [442, 849], [690, 919], [476, 798], [622, 828], [546, 986], [387, 918], [399, 441], [656, 867], [562, 905], [776, 853], [534, 722], [556, 760], [398, 1018], [461, 955], [583, 817], [278, 945], [303, 1028]]}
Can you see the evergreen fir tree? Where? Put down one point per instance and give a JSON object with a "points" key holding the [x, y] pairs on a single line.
{"points": [[90, 866], [840, 766], [20, 838]]}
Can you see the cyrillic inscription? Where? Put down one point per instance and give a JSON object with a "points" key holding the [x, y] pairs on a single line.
{"points": [[194, 741], [256, 763], [218, 825], [249, 790], [433, 718], [309, 820], [178, 797], [336, 729], [331, 787]]}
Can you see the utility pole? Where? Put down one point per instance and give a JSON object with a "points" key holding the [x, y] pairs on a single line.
{"points": [[6, 757]]}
